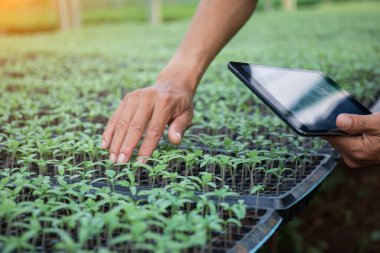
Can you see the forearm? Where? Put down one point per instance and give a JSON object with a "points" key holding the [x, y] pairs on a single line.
{"points": [[214, 24]]}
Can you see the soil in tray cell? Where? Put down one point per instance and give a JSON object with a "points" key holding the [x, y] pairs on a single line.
{"points": [[6, 160], [3, 160]]}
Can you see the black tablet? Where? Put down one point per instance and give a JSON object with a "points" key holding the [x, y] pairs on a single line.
{"points": [[308, 101]]}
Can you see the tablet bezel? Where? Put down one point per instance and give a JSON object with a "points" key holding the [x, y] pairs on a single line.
{"points": [[278, 108]]}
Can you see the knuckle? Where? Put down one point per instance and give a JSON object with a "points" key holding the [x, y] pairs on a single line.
{"points": [[114, 148], [374, 154], [134, 94], [165, 97], [371, 149], [122, 126], [182, 126], [126, 149], [359, 156], [145, 150], [135, 127], [149, 92], [153, 133], [359, 124], [111, 122]]}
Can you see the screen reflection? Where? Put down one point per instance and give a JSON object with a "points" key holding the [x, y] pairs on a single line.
{"points": [[315, 101]]}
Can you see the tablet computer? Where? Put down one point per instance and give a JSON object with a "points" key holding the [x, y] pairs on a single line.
{"points": [[308, 101]]}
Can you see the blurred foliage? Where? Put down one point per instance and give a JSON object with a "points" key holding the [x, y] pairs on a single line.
{"points": [[100, 11], [39, 15], [276, 4]]}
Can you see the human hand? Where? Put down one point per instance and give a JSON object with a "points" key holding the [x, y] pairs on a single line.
{"points": [[361, 150], [148, 110]]}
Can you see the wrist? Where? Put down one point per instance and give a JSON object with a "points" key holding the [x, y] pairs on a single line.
{"points": [[182, 74]]}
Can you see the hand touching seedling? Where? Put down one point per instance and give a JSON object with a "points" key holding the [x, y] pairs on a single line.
{"points": [[170, 101], [148, 111], [364, 149]]}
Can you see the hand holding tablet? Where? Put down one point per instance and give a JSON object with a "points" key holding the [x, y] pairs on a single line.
{"points": [[308, 101], [312, 104]]}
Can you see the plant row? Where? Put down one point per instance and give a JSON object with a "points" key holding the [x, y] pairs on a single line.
{"points": [[38, 215]]}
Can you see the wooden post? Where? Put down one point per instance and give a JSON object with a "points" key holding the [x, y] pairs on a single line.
{"points": [[69, 14], [289, 5], [268, 5], [63, 14], [75, 13], [155, 11]]}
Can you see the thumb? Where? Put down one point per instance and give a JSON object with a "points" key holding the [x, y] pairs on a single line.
{"points": [[178, 126], [359, 124]]}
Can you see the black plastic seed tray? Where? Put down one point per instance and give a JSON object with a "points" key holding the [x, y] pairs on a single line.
{"points": [[291, 196], [259, 233], [289, 203], [256, 228], [288, 197]]}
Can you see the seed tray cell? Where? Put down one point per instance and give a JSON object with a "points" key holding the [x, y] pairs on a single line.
{"points": [[288, 197], [259, 234], [291, 195], [260, 138], [242, 180], [288, 203]]}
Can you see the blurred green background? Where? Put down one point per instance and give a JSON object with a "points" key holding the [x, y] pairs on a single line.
{"points": [[39, 15], [117, 47]]}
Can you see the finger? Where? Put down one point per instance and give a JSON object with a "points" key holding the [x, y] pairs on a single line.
{"points": [[154, 132], [111, 124], [122, 125], [346, 144], [359, 124], [178, 127], [355, 151], [350, 163], [136, 129]]}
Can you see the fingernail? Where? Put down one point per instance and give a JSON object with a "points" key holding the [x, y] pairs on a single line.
{"points": [[121, 158], [345, 121], [179, 136], [112, 157], [104, 144]]}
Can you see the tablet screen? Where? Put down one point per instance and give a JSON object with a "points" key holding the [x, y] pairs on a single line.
{"points": [[313, 99]]}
